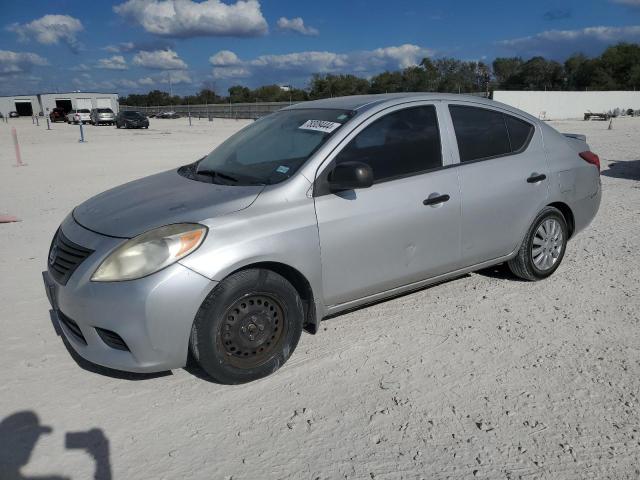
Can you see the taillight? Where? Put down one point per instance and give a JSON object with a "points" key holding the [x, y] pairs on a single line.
{"points": [[591, 158]]}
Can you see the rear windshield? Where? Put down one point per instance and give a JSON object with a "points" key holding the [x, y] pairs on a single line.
{"points": [[132, 114], [84, 110], [105, 110]]}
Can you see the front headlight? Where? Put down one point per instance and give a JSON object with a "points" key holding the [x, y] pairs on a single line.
{"points": [[150, 252]]}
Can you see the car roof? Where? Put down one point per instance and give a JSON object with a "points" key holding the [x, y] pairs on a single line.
{"points": [[362, 103]]}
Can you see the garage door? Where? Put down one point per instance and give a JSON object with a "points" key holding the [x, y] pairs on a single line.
{"points": [[23, 107], [84, 103], [104, 103]]}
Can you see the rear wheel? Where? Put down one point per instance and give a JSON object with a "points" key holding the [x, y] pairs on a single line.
{"points": [[247, 327], [543, 248]]}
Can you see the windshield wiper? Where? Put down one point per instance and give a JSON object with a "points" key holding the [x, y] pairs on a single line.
{"points": [[214, 174]]}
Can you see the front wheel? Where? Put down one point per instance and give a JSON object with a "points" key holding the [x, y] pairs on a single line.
{"points": [[247, 327], [543, 247]]}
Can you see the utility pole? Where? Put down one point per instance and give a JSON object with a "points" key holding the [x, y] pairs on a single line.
{"points": [[170, 86]]}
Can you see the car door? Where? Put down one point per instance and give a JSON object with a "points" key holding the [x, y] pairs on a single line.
{"points": [[503, 179], [402, 229]]}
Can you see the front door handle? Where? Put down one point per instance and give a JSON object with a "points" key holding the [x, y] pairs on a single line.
{"points": [[535, 178], [435, 199]]}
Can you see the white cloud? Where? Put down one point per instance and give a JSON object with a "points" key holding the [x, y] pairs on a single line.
{"points": [[159, 59], [296, 25], [283, 67], [127, 47], [231, 73], [405, 55], [560, 43], [124, 82], [120, 47], [50, 30], [224, 58], [180, 76], [116, 62], [81, 67], [311, 61], [186, 18], [146, 81], [176, 76], [19, 62]]}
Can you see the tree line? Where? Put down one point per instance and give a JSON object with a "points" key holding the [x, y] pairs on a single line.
{"points": [[617, 68]]}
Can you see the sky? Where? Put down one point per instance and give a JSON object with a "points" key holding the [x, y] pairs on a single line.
{"points": [[133, 46]]}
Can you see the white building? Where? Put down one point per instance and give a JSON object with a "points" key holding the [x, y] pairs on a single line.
{"points": [[27, 105], [564, 105]]}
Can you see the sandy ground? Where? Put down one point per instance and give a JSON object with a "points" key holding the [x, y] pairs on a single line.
{"points": [[480, 377]]}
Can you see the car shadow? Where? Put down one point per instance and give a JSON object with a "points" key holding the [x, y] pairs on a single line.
{"points": [[197, 371], [99, 369], [628, 169], [499, 272], [19, 434]]}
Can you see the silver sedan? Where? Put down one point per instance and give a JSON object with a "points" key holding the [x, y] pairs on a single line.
{"points": [[322, 207]]}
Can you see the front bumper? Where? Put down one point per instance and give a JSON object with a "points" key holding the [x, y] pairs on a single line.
{"points": [[152, 315]]}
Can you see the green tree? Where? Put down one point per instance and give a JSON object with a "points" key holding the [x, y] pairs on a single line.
{"points": [[505, 71], [619, 61], [239, 94], [324, 86], [387, 82]]}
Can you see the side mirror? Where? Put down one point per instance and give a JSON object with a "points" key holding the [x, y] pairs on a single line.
{"points": [[349, 176]]}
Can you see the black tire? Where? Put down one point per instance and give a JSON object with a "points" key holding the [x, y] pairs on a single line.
{"points": [[522, 265], [117, 125], [247, 327]]}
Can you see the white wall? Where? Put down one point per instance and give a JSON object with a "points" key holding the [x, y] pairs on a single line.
{"points": [[564, 105]]}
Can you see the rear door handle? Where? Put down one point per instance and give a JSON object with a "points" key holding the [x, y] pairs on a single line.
{"points": [[535, 178], [435, 199]]}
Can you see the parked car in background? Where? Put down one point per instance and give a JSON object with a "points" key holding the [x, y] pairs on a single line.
{"points": [[168, 115], [316, 209], [103, 116], [13, 114], [76, 116], [57, 115], [131, 119]]}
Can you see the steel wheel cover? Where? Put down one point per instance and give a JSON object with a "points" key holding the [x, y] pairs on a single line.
{"points": [[252, 330]]}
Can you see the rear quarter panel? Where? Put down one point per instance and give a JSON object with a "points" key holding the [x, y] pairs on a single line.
{"points": [[571, 179]]}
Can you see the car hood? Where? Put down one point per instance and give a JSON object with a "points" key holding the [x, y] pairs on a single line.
{"points": [[161, 199]]}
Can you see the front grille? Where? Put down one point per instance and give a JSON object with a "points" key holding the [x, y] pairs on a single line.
{"points": [[112, 339], [64, 257], [72, 327]]}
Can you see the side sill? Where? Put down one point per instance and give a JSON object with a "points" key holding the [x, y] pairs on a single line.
{"points": [[394, 292]]}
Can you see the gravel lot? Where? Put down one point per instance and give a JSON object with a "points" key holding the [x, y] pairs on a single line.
{"points": [[479, 377]]}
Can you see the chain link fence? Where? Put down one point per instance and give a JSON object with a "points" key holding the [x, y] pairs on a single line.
{"points": [[217, 110]]}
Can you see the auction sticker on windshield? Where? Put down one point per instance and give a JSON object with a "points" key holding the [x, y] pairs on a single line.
{"points": [[319, 126]]}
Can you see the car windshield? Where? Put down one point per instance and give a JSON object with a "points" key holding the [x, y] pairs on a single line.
{"points": [[104, 110], [84, 110], [132, 115], [274, 147]]}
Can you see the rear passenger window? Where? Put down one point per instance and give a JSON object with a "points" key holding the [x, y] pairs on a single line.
{"points": [[520, 132], [483, 133], [399, 144]]}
